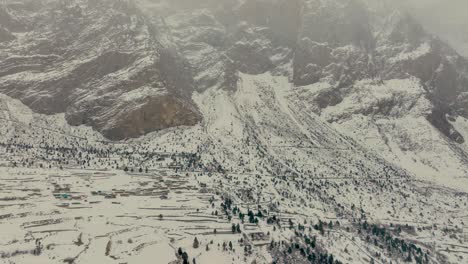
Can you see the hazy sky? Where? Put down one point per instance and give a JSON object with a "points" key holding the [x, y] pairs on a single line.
{"points": [[443, 11], [446, 18]]}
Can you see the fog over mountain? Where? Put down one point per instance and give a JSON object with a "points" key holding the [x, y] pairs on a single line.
{"points": [[446, 18]]}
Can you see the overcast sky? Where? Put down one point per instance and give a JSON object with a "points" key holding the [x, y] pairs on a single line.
{"points": [[446, 18], [443, 11]]}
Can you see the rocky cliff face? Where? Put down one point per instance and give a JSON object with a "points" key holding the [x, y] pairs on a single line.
{"points": [[100, 62], [336, 42], [107, 62]]}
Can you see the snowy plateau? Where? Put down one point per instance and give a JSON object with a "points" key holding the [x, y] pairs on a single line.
{"points": [[229, 131]]}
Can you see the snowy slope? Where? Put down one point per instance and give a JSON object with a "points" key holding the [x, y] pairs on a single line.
{"points": [[390, 117]]}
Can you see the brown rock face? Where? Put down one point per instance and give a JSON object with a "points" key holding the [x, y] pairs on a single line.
{"points": [[153, 114]]}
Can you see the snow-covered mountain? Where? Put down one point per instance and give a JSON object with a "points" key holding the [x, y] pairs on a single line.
{"points": [[128, 68], [365, 66], [119, 60], [343, 111]]}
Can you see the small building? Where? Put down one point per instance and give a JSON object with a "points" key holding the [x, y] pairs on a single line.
{"points": [[110, 196], [257, 236]]}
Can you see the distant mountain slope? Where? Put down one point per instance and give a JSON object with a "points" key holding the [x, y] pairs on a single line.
{"points": [[128, 68]]}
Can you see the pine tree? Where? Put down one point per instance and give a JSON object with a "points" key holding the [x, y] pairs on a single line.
{"points": [[185, 258], [196, 244], [238, 229]]}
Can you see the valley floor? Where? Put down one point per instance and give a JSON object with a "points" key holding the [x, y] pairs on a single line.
{"points": [[101, 216]]}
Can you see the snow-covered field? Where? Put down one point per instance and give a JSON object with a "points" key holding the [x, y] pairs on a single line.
{"points": [[92, 216]]}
